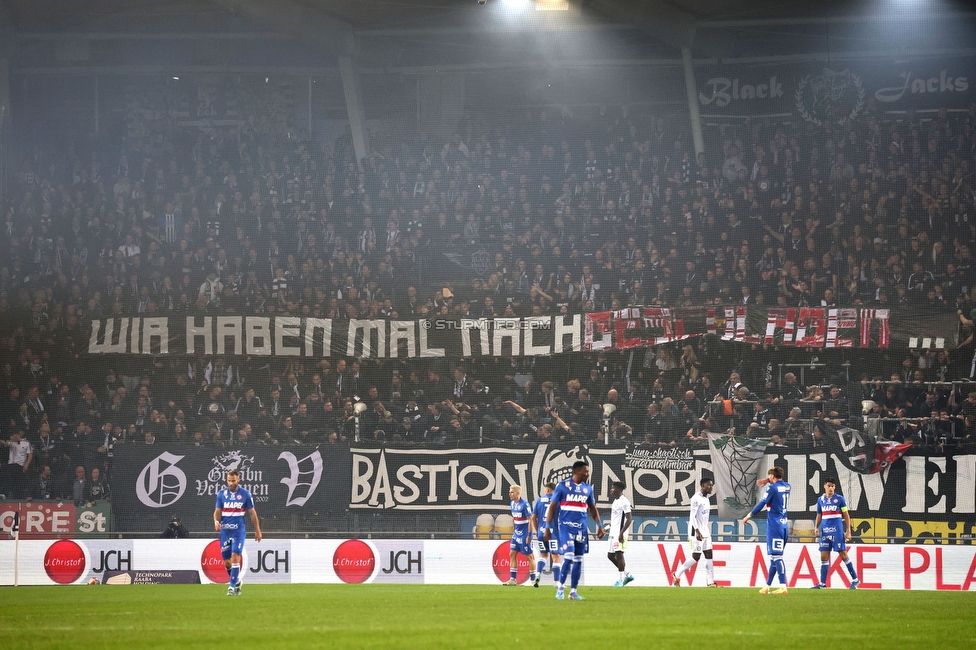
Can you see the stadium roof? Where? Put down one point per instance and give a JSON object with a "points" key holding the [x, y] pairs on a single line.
{"points": [[415, 33], [220, 15]]}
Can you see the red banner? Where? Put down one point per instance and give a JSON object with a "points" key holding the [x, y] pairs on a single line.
{"points": [[597, 330], [38, 520], [841, 322]]}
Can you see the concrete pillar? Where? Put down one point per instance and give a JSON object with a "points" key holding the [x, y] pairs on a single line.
{"points": [[5, 89], [691, 88], [6, 128], [440, 103], [355, 107], [97, 98]]}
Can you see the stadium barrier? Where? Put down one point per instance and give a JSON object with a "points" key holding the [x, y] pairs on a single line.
{"points": [[354, 561]]}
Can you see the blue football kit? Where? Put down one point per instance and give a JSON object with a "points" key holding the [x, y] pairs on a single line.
{"points": [[233, 506], [832, 537], [776, 497], [521, 535], [539, 510], [573, 500], [831, 513]]}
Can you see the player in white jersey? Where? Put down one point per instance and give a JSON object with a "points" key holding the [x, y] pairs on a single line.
{"points": [[620, 521], [699, 535]]}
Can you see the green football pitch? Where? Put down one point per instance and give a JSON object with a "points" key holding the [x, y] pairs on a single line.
{"points": [[373, 616]]}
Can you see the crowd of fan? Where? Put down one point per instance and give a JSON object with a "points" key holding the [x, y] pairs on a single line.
{"points": [[573, 215]]}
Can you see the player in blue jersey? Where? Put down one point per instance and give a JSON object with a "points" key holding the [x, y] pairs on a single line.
{"points": [[834, 524], [776, 497], [232, 502], [544, 550], [573, 499], [521, 536]]}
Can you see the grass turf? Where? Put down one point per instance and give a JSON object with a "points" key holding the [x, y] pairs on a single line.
{"points": [[430, 616]]}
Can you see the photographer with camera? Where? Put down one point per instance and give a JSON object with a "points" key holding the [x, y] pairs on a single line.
{"points": [[175, 530]]}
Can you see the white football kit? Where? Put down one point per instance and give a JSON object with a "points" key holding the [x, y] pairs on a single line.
{"points": [[698, 521], [619, 508]]}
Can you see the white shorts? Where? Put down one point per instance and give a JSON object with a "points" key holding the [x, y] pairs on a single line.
{"points": [[705, 544], [614, 545]]}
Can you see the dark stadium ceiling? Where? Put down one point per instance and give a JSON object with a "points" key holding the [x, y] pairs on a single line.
{"points": [[205, 15], [418, 34]]}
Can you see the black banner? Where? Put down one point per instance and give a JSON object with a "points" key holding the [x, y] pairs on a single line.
{"points": [[934, 487], [182, 480], [479, 479], [438, 266], [288, 336], [822, 92], [859, 450], [659, 481]]}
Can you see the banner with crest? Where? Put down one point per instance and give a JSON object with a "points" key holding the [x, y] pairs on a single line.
{"points": [[736, 462], [836, 92], [383, 478], [152, 484], [319, 488]]}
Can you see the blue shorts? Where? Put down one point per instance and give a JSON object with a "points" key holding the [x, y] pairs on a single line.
{"points": [[573, 540], [522, 544], [776, 534], [232, 541], [833, 542]]}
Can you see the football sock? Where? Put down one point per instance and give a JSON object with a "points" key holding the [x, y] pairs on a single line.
{"points": [[577, 572], [782, 570], [850, 569], [513, 573], [540, 566], [824, 568], [623, 574], [235, 570], [710, 570], [567, 568], [684, 567], [773, 568]]}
